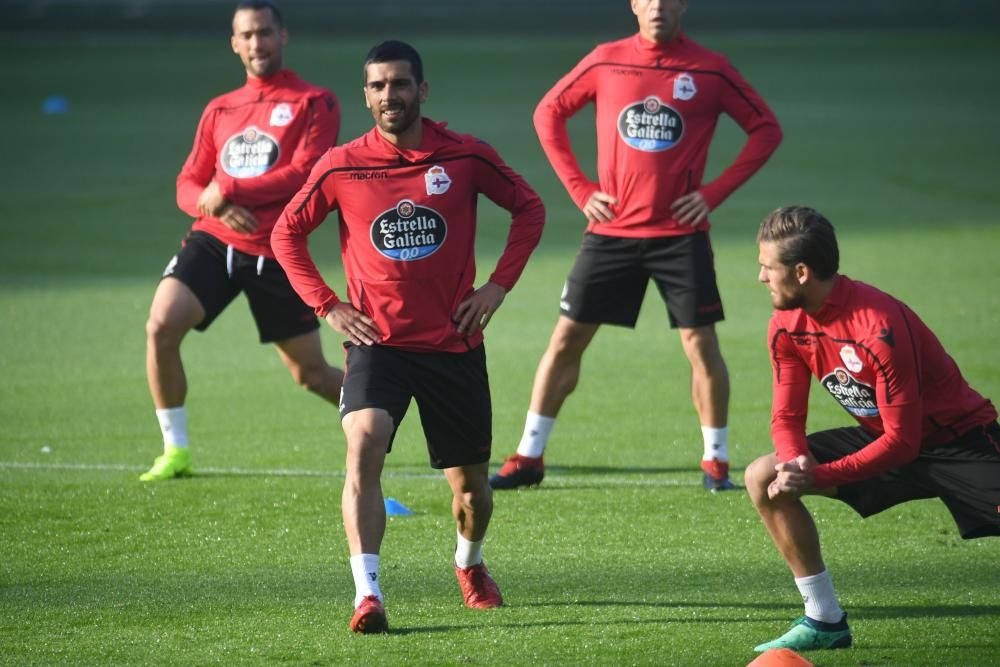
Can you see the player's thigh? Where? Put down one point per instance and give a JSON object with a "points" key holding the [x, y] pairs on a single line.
{"points": [[606, 284], [965, 474], [201, 267], [869, 496], [376, 377], [683, 268], [279, 312], [456, 411], [175, 309]]}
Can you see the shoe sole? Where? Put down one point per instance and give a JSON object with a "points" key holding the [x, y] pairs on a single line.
{"points": [[182, 473], [371, 624], [498, 483]]}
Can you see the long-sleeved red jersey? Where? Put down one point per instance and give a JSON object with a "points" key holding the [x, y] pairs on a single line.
{"points": [[883, 365], [407, 231], [258, 143], [657, 109]]}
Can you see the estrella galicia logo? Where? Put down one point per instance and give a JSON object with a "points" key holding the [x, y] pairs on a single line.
{"points": [[407, 231], [855, 397], [650, 125], [249, 153]]}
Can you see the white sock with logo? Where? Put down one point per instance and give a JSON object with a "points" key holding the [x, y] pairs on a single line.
{"points": [[173, 426], [364, 567], [537, 429], [468, 553], [820, 600], [716, 443]]}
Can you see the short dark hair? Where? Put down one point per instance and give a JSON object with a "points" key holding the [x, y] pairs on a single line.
{"points": [[258, 5], [393, 49], [803, 236]]}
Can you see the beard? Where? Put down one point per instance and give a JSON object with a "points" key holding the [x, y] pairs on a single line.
{"points": [[408, 115], [791, 302]]}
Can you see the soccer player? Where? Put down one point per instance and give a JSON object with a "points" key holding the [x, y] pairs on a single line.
{"points": [[253, 150], [406, 195], [658, 96], [922, 433]]}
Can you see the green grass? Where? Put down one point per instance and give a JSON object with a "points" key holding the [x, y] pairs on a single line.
{"points": [[619, 558]]}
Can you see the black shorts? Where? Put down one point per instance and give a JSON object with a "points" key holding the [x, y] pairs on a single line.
{"points": [[452, 392], [216, 273], [964, 474], [609, 277]]}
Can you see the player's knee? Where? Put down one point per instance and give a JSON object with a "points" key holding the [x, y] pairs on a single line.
{"points": [[310, 378], [758, 475], [162, 332], [568, 344]]}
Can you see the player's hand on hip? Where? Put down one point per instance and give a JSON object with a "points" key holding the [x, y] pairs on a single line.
{"points": [[210, 201], [351, 322], [475, 312], [598, 207], [690, 209], [238, 219]]}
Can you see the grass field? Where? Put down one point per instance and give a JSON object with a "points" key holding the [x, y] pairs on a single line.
{"points": [[620, 557]]}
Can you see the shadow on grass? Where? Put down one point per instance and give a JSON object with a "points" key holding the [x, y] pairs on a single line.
{"points": [[894, 612]]}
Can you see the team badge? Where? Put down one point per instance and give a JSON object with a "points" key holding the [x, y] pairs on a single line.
{"points": [[650, 125], [249, 153], [408, 231], [684, 88], [437, 181], [281, 115], [856, 397], [851, 359]]}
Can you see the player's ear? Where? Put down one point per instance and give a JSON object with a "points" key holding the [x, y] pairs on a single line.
{"points": [[232, 43], [803, 273], [284, 37], [422, 91]]}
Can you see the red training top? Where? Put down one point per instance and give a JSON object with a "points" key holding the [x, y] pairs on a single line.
{"points": [[657, 108], [407, 231], [883, 365], [258, 143]]}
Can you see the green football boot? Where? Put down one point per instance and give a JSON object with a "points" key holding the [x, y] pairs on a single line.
{"points": [[175, 462], [808, 635]]}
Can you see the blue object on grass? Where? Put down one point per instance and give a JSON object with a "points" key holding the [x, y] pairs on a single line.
{"points": [[55, 104], [395, 508]]}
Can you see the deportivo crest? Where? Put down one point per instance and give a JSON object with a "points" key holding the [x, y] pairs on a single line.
{"points": [[249, 153], [281, 115], [684, 88], [854, 396], [437, 181], [408, 232], [650, 125], [851, 359]]}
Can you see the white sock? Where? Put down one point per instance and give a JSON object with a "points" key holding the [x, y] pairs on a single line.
{"points": [[820, 600], [174, 426], [537, 429], [468, 553], [716, 443], [364, 567]]}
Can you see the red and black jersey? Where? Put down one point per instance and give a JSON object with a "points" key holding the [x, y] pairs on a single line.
{"points": [[883, 365], [407, 231], [657, 109], [258, 144]]}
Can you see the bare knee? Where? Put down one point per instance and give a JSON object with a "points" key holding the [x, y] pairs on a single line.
{"points": [[758, 475], [162, 333], [311, 378], [701, 345]]}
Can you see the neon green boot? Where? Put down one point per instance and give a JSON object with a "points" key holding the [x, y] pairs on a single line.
{"points": [[175, 462]]}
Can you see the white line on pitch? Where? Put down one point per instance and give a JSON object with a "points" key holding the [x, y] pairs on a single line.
{"points": [[561, 479]]}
